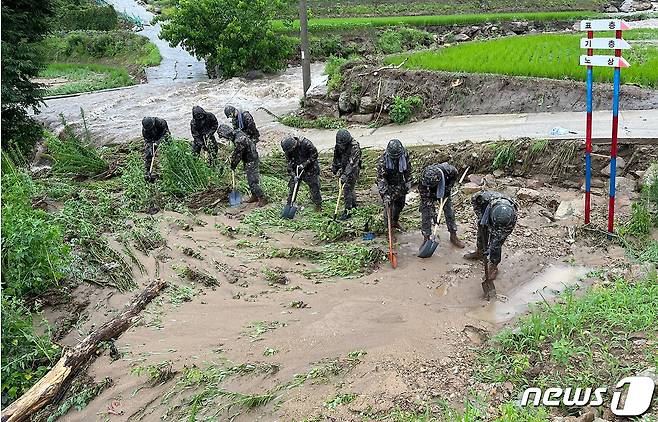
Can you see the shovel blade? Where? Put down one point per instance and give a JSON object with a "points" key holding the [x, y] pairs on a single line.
{"points": [[369, 236], [234, 198], [428, 248], [289, 212], [393, 258]]}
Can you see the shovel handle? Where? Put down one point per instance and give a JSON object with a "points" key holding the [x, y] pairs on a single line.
{"points": [[296, 188], [340, 191], [438, 220], [152, 158], [233, 178]]}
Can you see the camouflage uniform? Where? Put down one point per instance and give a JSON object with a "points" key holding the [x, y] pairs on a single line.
{"points": [[394, 180], [245, 122], [154, 131], [427, 188], [496, 215], [305, 154], [347, 159], [245, 151], [203, 126]]}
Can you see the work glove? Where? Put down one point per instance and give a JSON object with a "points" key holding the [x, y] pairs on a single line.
{"points": [[334, 169], [387, 201], [407, 186], [300, 167], [343, 178]]}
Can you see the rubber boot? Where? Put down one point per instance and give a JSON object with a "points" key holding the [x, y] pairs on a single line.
{"points": [[397, 225], [251, 199], [455, 240], [262, 201], [318, 207], [493, 272], [344, 216], [489, 290], [474, 255]]}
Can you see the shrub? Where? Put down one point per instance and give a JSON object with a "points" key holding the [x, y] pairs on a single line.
{"points": [[34, 257], [219, 30], [390, 42], [26, 356], [135, 187], [404, 108], [401, 39], [182, 172], [332, 70], [99, 18]]}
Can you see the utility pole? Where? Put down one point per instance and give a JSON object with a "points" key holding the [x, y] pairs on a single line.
{"points": [[306, 58]]}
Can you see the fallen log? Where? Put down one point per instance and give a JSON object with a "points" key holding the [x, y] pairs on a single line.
{"points": [[74, 359]]}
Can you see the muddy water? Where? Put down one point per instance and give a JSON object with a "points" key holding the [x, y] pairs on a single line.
{"points": [[548, 284], [177, 64], [115, 116]]}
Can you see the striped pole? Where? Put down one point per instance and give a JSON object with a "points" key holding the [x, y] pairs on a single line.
{"points": [[613, 148], [588, 136]]}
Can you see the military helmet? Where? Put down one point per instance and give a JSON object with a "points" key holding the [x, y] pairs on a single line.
{"points": [[148, 123], [198, 113], [343, 137], [226, 132], [432, 175], [502, 214], [394, 148], [229, 111], [289, 144]]}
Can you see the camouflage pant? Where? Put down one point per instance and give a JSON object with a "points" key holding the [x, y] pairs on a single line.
{"points": [[398, 195], [348, 190], [253, 178], [428, 215], [496, 237], [209, 144], [312, 180]]}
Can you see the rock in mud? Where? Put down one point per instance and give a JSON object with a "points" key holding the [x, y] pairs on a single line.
{"points": [[360, 118], [518, 27], [367, 105], [635, 6], [625, 186], [462, 37], [570, 209], [347, 103], [650, 176], [620, 165], [470, 188], [526, 194]]}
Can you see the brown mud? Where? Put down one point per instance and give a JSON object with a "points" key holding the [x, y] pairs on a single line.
{"points": [[392, 337]]}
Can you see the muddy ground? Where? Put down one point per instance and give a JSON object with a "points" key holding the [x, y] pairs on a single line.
{"points": [[395, 338]]}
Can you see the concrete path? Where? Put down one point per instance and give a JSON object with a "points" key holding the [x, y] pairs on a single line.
{"points": [[633, 124], [177, 64]]}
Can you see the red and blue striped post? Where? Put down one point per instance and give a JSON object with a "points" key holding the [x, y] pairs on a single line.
{"points": [[613, 148], [588, 136]]}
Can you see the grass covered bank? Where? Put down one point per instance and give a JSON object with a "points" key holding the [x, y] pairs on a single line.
{"points": [[548, 55], [82, 61]]}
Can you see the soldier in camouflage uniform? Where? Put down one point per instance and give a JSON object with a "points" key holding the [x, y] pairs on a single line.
{"points": [[154, 131], [302, 155], [394, 180], [496, 216], [245, 151], [203, 126], [242, 120], [436, 182], [347, 160]]}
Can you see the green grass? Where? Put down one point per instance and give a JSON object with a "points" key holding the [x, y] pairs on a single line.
{"points": [[77, 78], [339, 24], [550, 56], [322, 122]]}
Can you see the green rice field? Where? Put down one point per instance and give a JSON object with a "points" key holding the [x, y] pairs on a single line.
{"points": [[554, 56], [340, 24]]}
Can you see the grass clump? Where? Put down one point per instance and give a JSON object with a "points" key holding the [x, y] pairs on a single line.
{"points": [[72, 78], [339, 400], [332, 70], [553, 56], [146, 235], [256, 329], [506, 153], [81, 397], [403, 108], [322, 122], [157, 374], [403, 39], [136, 189], [182, 172], [75, 156]]}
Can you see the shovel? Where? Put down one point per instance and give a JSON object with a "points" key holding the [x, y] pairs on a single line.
{"points": [[340, 192], [428, 248], [234, 198], [487, 285], [392, 256], [152, 162], [367, 234], [290, 209]]}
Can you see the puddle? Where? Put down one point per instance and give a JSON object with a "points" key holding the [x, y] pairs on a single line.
{"points": [[548, 284]]}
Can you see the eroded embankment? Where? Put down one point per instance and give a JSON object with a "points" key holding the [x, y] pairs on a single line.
{"points": [[368, 92]]}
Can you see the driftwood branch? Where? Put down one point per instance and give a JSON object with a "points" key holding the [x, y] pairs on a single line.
{"points": [[74, 359], [385, 68]]}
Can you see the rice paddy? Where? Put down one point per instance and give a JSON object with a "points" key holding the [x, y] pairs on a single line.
{"points": [[553, 56]]}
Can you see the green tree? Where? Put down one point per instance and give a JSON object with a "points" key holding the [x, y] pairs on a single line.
{"points": [[232, 36], [24, 25]]}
